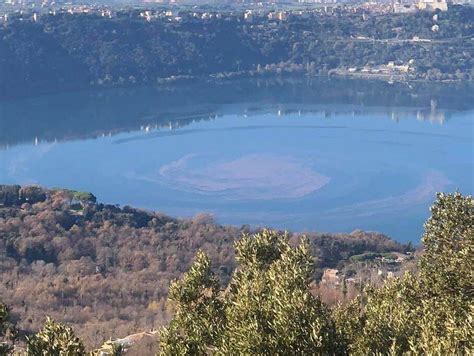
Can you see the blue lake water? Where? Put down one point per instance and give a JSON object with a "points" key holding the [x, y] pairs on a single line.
{"points": [[320, 156]]}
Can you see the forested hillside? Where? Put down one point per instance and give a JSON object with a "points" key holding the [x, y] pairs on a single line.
{"points": [[72, 51], [266, 307], [106, 270]]}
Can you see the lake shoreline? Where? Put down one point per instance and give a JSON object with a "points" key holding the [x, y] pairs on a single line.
{"points": [[216, 78]]}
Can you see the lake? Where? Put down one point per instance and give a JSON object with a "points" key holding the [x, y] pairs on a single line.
{"points": [[319, 155]]}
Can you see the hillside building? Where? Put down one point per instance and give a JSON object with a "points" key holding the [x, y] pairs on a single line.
{"points": [[432, 5]]}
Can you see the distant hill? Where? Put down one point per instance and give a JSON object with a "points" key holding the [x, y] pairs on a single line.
{"points": [[51, 53]]}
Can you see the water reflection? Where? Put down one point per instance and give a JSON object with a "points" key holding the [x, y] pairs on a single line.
{"points": [[80, 115]]}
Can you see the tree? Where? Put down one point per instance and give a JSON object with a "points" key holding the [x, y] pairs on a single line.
{"points": [[449, 246], [447, 276], [84, 197], [55, 339], [432, 313], [32, 194], [199, 315], [387, 318], [8, 332], [270, 309], [266, 309], [9, 194]]}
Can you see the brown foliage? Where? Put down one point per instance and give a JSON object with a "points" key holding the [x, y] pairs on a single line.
{"points": [[105, 270]]}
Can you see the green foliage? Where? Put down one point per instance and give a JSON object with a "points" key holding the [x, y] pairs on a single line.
{"points": [[449, 246], [84, 196], [448, 277], [199, 311], [270, 309], [427, 314], [55, 339], [369, 256], [349, 323], [388, 318], [267, 308]]}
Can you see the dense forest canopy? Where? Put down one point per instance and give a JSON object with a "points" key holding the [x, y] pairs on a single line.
{"points": [[106, 270], [72, 51]]}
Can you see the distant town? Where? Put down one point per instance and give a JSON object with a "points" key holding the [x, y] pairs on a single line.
{"points": [[50, 47], [249, 10]]}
